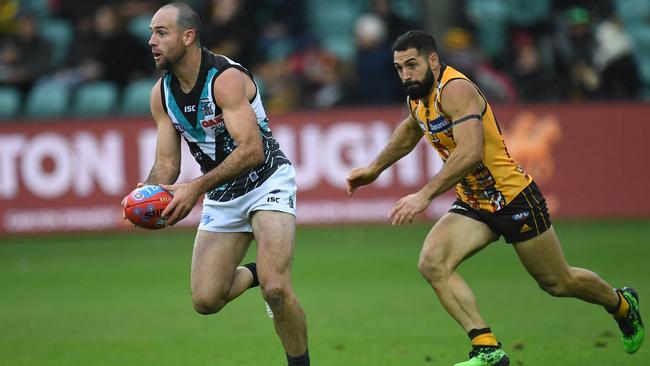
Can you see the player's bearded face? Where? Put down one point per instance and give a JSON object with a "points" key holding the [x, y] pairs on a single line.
{"points": [[417, 89], [170, 57], [171, 60]]}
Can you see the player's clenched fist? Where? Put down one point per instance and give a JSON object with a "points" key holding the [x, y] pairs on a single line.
{"points": [[360, 177]]}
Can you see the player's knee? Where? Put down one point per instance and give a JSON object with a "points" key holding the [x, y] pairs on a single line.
{"points": [[556, 287], [433, 269], [208, 305], [275, 296]]}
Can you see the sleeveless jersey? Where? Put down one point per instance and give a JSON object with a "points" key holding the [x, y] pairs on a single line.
{"points": [[497, 179], [199, 119]]}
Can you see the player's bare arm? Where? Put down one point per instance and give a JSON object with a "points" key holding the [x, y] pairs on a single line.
{"points": [[167, 165], [407, 134], [464, 105], [239, 117]]}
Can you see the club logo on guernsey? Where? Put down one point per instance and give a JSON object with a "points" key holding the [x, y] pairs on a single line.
{"points": [[206, 107], [438, 125]]}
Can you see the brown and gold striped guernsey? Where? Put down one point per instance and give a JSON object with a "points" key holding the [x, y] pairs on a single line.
{"points": [[498, 179]]}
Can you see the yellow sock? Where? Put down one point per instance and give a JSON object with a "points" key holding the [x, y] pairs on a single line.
{"points": [[485, 339], [623, 308]]}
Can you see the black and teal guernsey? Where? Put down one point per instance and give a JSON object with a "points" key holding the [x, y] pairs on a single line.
{"points": [[199, 119]]}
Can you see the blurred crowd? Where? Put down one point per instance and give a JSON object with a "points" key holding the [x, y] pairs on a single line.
{"points": [[320, 54], [547, 50]]}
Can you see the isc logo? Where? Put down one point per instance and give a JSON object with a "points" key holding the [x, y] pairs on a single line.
{"points": [[190, 108], [273, 200]]}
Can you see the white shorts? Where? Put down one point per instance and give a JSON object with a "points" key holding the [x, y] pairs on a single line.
{"points": [[278, 193]]}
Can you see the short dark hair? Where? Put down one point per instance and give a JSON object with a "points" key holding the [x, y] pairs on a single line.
{"points": [[423, 42], [187, 18]]}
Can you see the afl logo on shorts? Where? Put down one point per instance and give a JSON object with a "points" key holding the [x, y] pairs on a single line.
{"points": [[521, 216]]}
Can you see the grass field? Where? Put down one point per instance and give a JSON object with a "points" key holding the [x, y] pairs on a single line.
{"points": [[123, 299]]}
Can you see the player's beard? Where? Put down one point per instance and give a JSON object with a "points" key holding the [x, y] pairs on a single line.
{"points": [[419, 89], [167, 63]]}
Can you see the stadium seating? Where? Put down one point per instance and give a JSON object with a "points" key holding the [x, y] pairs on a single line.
{"points": [[95, 99], [135, 99], [59, 33], [332, 23], [9, 103], [490, 18], [633, 12], [640, 37], [527, 13], [408, 9], [139, 28], [39, 8], [47, 101]]}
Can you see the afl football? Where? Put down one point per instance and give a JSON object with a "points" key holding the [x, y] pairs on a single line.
{"points": [[144, 206]]}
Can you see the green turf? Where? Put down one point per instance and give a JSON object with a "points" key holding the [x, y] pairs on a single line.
{"points": [[123, 299]]}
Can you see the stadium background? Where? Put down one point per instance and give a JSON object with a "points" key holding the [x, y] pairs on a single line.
{"points": [[569, 81]]}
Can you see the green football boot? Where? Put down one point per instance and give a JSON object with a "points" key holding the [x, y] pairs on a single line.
{"points": [[631, 326], [486, 356]]}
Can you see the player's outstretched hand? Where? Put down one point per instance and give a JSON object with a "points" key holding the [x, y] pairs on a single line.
{"points": [[360, 177], [185, 197], [407, 207]]}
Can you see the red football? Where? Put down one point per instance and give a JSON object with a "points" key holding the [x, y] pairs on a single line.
{"points": [[144, 206]]}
